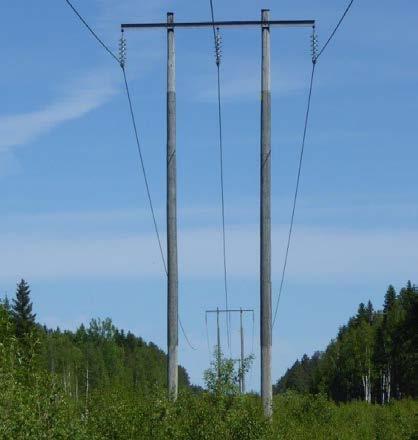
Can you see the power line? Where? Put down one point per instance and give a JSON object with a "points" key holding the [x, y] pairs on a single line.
{"points": [[128, 94], [335, 29], [289, 237], [185, 335], [315, 58], [207, 335], [92, 31], [144, 173], [217, 41]]}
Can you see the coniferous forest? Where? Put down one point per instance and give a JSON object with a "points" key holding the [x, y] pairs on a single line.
{"points": [[99, 382]]}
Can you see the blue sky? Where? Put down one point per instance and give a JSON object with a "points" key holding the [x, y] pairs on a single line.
{"points": [[74, 219]]}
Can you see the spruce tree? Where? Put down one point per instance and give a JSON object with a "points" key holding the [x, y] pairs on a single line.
{"points": [[22, 314], [362, 314], [370, 312], [390, 299], [6, 304]]}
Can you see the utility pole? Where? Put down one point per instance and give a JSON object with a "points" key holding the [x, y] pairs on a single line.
{"points": [[265, 193], [218, 335], [265, 220], [218, 346], [172, 267], [242, 378]]}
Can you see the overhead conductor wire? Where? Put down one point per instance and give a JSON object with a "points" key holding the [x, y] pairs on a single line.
{"points": [[315, 55], [289, 237], [121, 62], [207, 334], [218, 54]]}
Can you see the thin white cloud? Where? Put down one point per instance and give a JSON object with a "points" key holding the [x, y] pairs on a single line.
{"points": [[247, 86], [80, 97], [319, 254], [241, 81]]}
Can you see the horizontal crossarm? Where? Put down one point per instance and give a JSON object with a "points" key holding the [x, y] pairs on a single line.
{"points": [[234, 23]]}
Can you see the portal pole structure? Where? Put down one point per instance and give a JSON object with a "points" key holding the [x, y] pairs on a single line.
{"points": [[241, 311], [265, 227], [265, 221], [172, 265]]}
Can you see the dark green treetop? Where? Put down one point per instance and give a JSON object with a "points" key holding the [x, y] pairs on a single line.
{"points": [[22, 314], [390, 299]]}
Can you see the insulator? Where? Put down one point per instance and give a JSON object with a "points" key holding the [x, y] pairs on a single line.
{"points": [[314, 46], [122, 51], [218, 47]]}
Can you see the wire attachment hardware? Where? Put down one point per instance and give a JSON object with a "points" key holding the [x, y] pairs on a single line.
{"points": [[122, 50], [314, 45], [218, 47]]}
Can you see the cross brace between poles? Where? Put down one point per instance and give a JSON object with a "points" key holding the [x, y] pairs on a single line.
{"points": [[229, 310], [220, 24]]}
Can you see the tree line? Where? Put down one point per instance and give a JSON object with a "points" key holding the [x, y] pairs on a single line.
{"points": [[373, 358], [96, 357]]}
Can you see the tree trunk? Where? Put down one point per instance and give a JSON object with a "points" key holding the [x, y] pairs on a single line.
{"points": [[76, 387], [367, 388], [383, 385], [64, 381], [388, 384], [87, 387]]}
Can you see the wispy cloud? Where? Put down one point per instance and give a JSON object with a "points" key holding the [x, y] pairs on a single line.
{"points": [[241, 81], [317, 254], [80, 97], [247, 86]]}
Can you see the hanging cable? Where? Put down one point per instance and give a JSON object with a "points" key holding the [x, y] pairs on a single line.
{"points": [[92, 31], [121, 60], [289, 237], [128, 94], [207, 335], [315, 57], [335, 29], [218, 53], [185, 335]]}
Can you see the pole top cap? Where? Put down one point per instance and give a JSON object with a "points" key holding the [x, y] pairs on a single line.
{"points": [[265, 14]]}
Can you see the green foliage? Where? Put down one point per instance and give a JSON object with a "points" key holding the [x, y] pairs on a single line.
{"points": [[373, 358], [315, 417], [222, 378], [101, 356], [98, 383]]}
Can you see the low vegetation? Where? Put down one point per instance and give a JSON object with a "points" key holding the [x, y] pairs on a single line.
{"points": [[98, 383]]}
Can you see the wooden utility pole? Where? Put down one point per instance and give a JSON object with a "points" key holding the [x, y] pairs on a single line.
{"points": [[172, 267], [265, 193], [218, 343], [218, 336], [265, 220]]}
